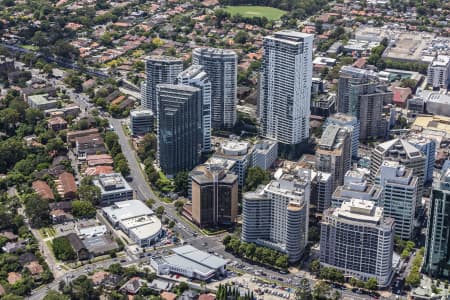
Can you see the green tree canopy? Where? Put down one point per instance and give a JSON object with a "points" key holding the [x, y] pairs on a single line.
{"points": [[54, 295], [83, 209], [181, 183], [241, 37], [90, 193], [37, 210], [303, 291], [321, 291], [255, 177], [408, 82], [371, 284], [62, 249]]}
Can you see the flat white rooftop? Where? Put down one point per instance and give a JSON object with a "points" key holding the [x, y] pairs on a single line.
{"points": [[127, 209], [201, 257], [360, 211], [148, 229]]}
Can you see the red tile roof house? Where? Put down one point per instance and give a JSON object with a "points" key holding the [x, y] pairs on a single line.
{"points": [[99, 159], [168, 296], [9, 235], [98, 170], [67, 188], [90, 83], [57, 124], [13, 277], [43, 189], [99, 277], [401, 95], [207, 297], [72, 135], [35, 268]]}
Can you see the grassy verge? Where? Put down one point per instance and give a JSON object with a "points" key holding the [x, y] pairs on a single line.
{"points": [[166, 200], [235, 270], [78, 264], [212, 232], [127, 132], [47, 232], [49, 245], [204, 231]]}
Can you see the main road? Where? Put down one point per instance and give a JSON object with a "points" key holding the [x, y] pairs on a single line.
{"points": [[143, 190]]}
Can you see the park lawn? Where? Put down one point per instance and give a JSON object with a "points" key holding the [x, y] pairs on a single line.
{"points": [[30, 47], [256, 11]]}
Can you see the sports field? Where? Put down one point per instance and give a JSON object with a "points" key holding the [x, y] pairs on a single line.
{"points": [[256, 11]]}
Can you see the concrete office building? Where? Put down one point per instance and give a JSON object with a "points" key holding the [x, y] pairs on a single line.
{"points": [[179, 127], [369, 109], [355, 186], [435, 102], [415, 105], [239, 151], [437, 246], [321, 191], [265, 153], [141, 121], [228, 165], [276, 216], [42, 102], [113, 188], [323, 105], [400, 150], [214, 196], [438, 72], [196, 76], [136, 220], [428, 147], [333, 154], [221, 67], [190, 262], [351, 123], [398, 196], [144, 95], [349, 76], [362, 96], [285, 86], [158, 69], [358, 240]]}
